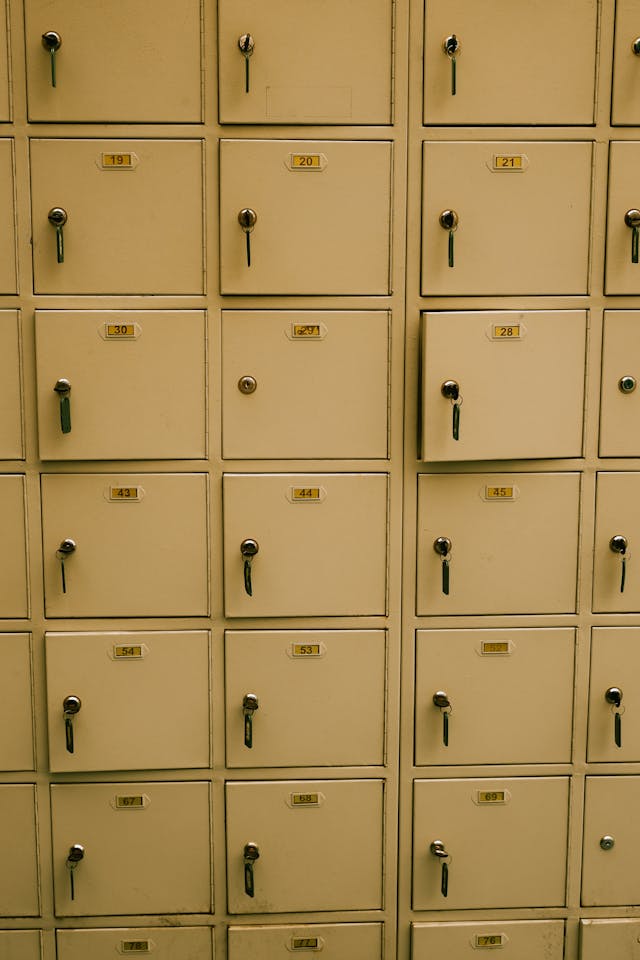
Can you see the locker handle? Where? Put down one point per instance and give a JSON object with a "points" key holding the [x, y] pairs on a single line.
{"points": [[613, 696], [75, 855], [247, 218], [52, 41], [452, 47], [439, 850], [248, 549], [442, 546], [57, 217], [70, 707], [449, 220], [620, 545], [63, 389], [64, 551], [251, 853], [450, 390], [632, 220], [249, 706], [246, 43]]}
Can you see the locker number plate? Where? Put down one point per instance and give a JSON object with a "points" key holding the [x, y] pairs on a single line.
{"points": [[306, 943], [123, 651], [490, 940], [316, 162], [118, 161], [306, 494], [500, 493], [305, 800], [118, 494], [493, 648], [491, 796], [515, 162], [131, 802], [135, 946]]}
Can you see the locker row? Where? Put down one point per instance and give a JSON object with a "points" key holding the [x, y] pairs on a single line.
{"points": [[290, 212], [107, 696], [299, 384]]}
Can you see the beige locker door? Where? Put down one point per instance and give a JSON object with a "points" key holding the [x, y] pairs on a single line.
{"points": [[357, 941], [16, 719], [19, 880], [521, 939], [513, 541], [610, 870], [625, 107], [614, 688], [305, 384], [503, 366], [507, 67], [319, 844], [136, 63], [620, 402], [147, 848], [320, 697], [522, 217], [134, 216], [11, 445], [20, 945], [137, 382], [180, 943], [144, 700], [622, 275], [5, 99], [323, 216], [14, 599], [324, 64], [489, 829], [614, 939], [140, 544], [487, 676], [8, 273], [617, 537], [322, 544]]}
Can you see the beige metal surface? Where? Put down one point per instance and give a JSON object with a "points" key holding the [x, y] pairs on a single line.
{"points": [[358, 941], [320, 845], [325, 64], [519, 821], [137, 378], [117, 61], [504, 530], [20, 945], [321, 697], [321, 383], [614, 664], [620, 408], [524, 939], [322, 544], [508, 70], [525, 675], [616, 939], [14, 599], [19, 880], [139, 554], [8, 276], [184, 943], [625, 106], [506, 364], [622, 275], [5, 99], [609, 872], [16, 702], [144, 700], [147, 848], [521, 229], [11, 446], [617, 514], [309, 217], [135, 228]]}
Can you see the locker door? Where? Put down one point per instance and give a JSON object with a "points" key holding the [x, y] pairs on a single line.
{"points": [[128, 701], [616, 577], [301, 216], [128, 544], [621, 275], [358, 941], [16, 719], [20, 945], [625, 107], [134, 382], [182, 943], [611, 841], [5, 99], [511, 218], [614, 689], [11, 446], [615, 939], [14, 599], [524, 939], [145, 848], [327, 64], [19, 880], [619, 400], [131, 218], [319, 845], [8, 274]]}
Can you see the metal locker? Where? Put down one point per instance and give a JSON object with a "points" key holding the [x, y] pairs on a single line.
{"points": [[128, 701], [105, 61], [117, 216], [614, 695], [335, 679], [16, 702], [619, 401], [304, 845], [506, 67], [625, 103], [487, 829], [284, 64], [19, 879], [505, 217], [131, 848], [623, 220], [305, 384], [524, 939], [616, 577], [324, 533], [134, 383], [358, 941], [617, 939], [11, 443], [14, 596], [8, 269], [497, 543], [291, 212], [180, 943], [20, 945], [611, 841], [5, 98], [468, 681], [485, 384], [125, 544]]}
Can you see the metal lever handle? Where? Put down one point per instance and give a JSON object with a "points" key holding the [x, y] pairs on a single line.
{"points": [[57, 217], [70, 707], [449, 220], [251, 853], [249, 706], [63, 389], [75, 855], [247, 218], [632, 220], [52, 41], [438, 850], [248, 548]]}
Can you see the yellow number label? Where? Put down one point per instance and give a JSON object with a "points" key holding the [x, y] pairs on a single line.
{"points": [[124, 493], [499, 493], [118, 331], [491, 796], [305, 161], [305, 799], [306, 649], [110, 160], [302, 331], [135, 946], [510, 332], [122, 652], [490, 940], [129, 803], [509, 163], [495, 646], [304, 943], [305, 493]]}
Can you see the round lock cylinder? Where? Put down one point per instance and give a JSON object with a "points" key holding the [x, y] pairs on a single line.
{"points": [[635, 46], [627, 384], [607, 842], [247, 385], [51, 41]]}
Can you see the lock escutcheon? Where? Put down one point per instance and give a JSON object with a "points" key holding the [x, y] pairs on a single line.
{"points": [[450, 389], [449, 219], [442, 546], [247, 385], [618, 544], [51, 41], [607, 842], [71, 705], [627, 384]]}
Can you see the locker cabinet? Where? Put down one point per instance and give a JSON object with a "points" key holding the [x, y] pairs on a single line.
{"points": [[617, 939], [485, 676], [326, 64], [8, 270], [117, 216], [358, 941], [183, 943], [319, 845], [616, 578], [108, 696], [6, 108], [621, 256], [14, 598], [524, 939], [611, 841], [619, 401], [505, 218], [125, 544], [613, 690], [11, 446], [325, 533], [16, 702], [134, 382], [507, 71], [497, 543], [625, 106], [145, 848], [487, 829], [496, 368], [20, 945], [134, 63], [19, 879], [305, 384], [305, 697], [300, 216]]}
